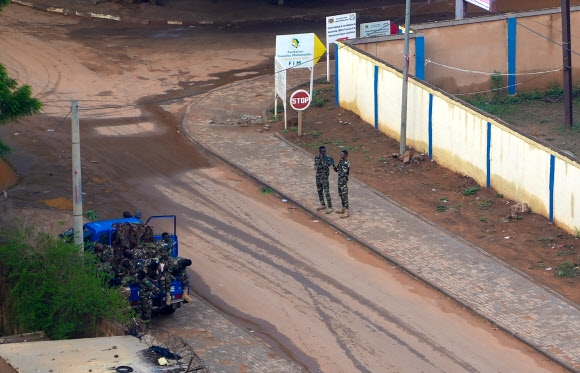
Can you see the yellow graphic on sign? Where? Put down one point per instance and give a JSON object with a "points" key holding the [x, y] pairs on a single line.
{"points": [[319, 49]]}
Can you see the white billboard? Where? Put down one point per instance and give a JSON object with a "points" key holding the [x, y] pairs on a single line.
{"points": [[485, 4], [295, 50], [340, 27], [380, 28]]}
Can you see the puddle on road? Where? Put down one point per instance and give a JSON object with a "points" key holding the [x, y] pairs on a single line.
{"points": [[60, 203], [8, 177]]}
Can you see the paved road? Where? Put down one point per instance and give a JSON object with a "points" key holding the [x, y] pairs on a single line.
{"points": [[467, 273]]}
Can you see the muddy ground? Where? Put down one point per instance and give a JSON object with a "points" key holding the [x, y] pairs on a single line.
{"points": [[529, 243], [533, 246]]}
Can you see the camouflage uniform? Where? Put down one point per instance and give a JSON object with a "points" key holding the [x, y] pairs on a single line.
{"points": [[106, 259], [176, 270], [126, 272], [147, 289], [164, 249], [321, 165], [343, 169]]}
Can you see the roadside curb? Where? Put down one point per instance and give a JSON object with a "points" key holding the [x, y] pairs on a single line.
{"points": [[371, 249]]}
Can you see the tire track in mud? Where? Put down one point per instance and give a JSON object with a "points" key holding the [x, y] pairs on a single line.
{"points": [[220, 217]]}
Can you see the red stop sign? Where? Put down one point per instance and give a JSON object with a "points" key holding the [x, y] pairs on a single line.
{"points": [[300, 100]]}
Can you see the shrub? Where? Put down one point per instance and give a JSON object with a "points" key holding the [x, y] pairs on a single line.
{"points": [[470, 190], [54, 287]]}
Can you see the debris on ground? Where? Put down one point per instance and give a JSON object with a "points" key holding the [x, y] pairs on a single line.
{"points": [[518, 209], [245, 120]]}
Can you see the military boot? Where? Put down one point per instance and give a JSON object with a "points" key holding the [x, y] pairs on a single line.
{"points": [[341, 211], [346, 215], [168, 298], [320, 208], [186, 297]]}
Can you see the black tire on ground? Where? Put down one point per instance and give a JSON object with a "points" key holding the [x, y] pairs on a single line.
{"points": [[167, 310]]}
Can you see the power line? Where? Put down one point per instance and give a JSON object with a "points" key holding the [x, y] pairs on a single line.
{"points": [[428, 61]]}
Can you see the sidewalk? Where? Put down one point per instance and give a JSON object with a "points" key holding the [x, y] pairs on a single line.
{"points": [[499, 293]]}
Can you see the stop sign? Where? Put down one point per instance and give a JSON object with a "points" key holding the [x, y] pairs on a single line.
{"points": [[300, 100]]}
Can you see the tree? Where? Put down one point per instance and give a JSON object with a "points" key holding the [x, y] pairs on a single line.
{"points": [[15, 101]]}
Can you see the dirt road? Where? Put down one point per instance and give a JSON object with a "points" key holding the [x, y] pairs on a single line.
{"points": [[317, 298]]}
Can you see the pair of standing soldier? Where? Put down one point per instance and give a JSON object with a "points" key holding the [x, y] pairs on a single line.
{"points": [[322, 164]]}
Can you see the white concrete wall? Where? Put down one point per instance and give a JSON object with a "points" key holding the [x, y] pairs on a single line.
{"points": [[520, 167]]}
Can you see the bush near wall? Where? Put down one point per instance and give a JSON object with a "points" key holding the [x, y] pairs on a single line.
{"points": [[53, 287]]}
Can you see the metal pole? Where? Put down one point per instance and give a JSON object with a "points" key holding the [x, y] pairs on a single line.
{"points": [[403, 146], [76, 177], [460, 9], [567, 62]]}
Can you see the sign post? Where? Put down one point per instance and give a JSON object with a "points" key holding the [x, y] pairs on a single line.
{"points": [[280, 88], [295, 52], [339, 27], [299, 101]]}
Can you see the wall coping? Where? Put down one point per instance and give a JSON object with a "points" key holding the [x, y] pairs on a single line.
{"points": [[541, 12]]}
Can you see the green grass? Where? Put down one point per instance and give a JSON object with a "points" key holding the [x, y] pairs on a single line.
{"points": [[484, 205], [266, 190], [382, 159], [441, 208], [567, 269], [91, 215], [338, 142], [537, 265], [471, 190], [317, 133], [319, 101]]}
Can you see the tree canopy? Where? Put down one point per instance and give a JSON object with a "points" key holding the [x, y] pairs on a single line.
{"points": [[15, 101]]}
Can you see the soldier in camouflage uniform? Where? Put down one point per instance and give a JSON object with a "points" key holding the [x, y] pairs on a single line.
{"points": [[343, 169], [322, 162], [147, 289], [105, 257], [126, 270], [175, 269]]}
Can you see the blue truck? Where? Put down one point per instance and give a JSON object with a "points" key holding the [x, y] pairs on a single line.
{"points": [[104, 231]]}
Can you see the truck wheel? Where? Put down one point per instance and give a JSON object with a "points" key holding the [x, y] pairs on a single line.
{"points": [[167, 310]]}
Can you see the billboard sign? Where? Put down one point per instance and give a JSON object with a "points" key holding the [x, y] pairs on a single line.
{"points": [[340, 27], [299, 50], [485, 4], [381, 28], [280, 80]]}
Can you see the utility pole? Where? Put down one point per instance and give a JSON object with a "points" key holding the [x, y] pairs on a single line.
{"points": [[76, 177], [460, 9], [567, 62], [403, 146]]}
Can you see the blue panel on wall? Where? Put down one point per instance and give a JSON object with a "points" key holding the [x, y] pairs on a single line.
{"points": [[420, 57], [512, 44], [430, 125], [552, 167], [376, 97]]}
